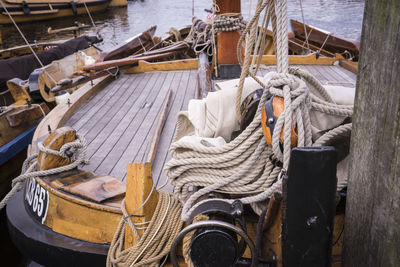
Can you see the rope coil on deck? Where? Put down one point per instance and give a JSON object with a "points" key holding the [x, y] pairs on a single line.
{"points": [[29, 167], [157, 239]]}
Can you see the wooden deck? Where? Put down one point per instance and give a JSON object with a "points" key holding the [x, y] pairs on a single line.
{"points": [[119, 121]]}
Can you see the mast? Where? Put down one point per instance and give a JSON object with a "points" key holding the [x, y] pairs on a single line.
{"points": [[228, 64], [372, 224]]}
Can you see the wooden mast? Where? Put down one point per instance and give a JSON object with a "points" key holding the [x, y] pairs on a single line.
{"points": [[372, 224], [228, 64]]}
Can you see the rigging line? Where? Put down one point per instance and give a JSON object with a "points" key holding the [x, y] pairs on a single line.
{"points": [[326, 39], [26, 41], [192, 9], [90, 16], [304, 25], [154, 187]]}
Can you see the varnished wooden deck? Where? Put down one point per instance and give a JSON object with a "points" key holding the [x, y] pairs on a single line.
{"points": [[119, 121]]}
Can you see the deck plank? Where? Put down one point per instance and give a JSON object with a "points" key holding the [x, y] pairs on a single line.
{"points": [[89, 103], [179, 92], [108, 118], [163, 156], [137, 149], [345, 74], [109, 109], [179, 85], [98, 151], [127, 111], [113, 149], [140, 157], [96, 106]]}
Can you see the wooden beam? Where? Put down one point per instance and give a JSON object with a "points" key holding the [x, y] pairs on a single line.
{"points": [[123, 62], [139, 183], [372, 222], [303, 60], [145, 66], [349, 65], [159, 127], [203, 77]]}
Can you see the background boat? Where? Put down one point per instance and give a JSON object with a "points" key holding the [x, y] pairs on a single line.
{"points": [[37, 10], [324, 40]]}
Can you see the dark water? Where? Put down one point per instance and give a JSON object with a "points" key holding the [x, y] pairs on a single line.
{"points": [[342, 17]]}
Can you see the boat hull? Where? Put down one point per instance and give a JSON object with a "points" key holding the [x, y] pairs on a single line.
{"points": [[47, 11], [42, 245], [325, 40]]}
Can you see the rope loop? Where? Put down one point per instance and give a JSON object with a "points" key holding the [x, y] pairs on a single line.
{"points": [[29, 167]]}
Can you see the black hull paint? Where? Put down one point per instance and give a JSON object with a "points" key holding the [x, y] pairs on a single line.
{"points": [[40, 244]]}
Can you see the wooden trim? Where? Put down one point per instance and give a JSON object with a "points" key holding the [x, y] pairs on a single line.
{"points": [[81, 221], [303, 60], [144, 66], [349, 65], [139, 183], [33, 12]]}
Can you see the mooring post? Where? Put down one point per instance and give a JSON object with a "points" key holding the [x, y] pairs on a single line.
{"points": [[139, 183], [309, 207], [372, 222], [228, 64]]}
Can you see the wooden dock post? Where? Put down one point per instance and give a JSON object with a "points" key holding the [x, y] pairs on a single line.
{"points": [[372, 222], [139, 183], [228, 64]]}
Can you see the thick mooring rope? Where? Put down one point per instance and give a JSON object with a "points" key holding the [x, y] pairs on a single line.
{"points": [[246, 167], [157, 239], [29, 167]]}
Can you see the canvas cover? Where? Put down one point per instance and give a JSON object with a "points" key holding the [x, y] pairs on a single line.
{"points": [[21, 67]]}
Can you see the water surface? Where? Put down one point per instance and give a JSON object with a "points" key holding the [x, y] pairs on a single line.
{"points": [[342, 17]]}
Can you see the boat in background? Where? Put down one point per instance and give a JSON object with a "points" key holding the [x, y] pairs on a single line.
{"points": [[323, 40], [37, 10], [19, 69]]}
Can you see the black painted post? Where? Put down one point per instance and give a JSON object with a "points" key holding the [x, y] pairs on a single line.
{"points": [[309, 207]]}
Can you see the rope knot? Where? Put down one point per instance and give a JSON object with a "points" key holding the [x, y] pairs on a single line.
{"points": [[279, 80], [294, 121], [75, 150], [29, 167]]}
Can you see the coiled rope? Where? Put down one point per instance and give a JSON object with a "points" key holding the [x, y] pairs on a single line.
{"points": [[157, 239], [245, 167], [228, 22], [29, 167]]}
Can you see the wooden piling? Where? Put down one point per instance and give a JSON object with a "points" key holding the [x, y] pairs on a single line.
{"points": [[372, 222]]}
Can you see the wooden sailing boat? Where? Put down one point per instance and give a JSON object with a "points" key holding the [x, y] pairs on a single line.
{"points": [[325, 40], [73, 215], [36, 10]]}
